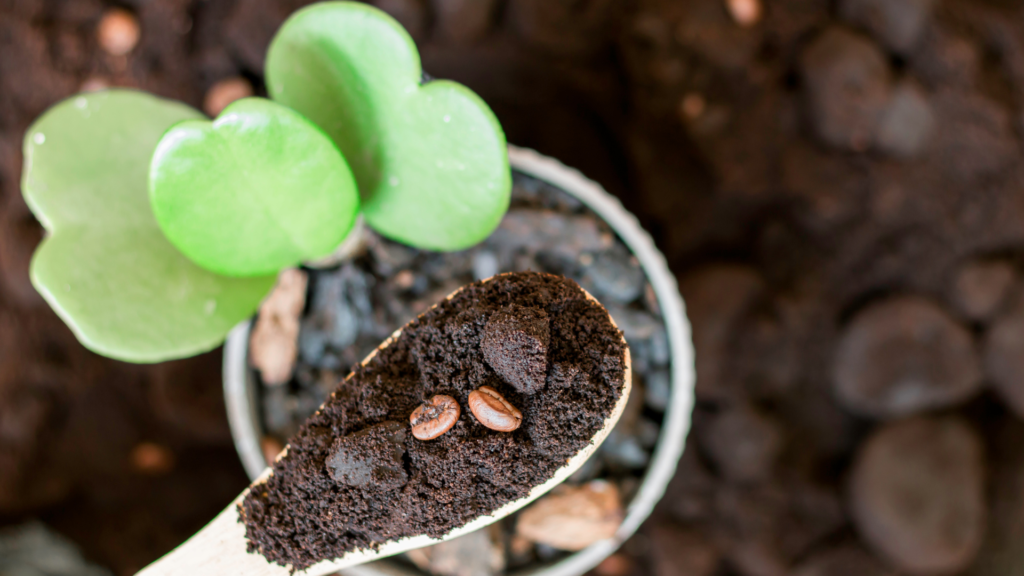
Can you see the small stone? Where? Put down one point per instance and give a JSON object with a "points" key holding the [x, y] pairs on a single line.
{"points": [[917, 494], [622, 449], [636, 325], [1004, 356], [648, 432], [678, 551], [848, 560], [152, 459], [118, 32], [373, 455], [743, 444], [981, 287], [485, 264], [463, 21], [340, 308], [278, 407], [624, 452], [405, 279], [908, 123], [661, 349], [273, 345], [571, 517], [902, 356], [898, 24], [475, 554], [93, 84], [225, 92], [547, 553], [270, 447], [846, 79], [658, 389], [515, 345], [615, 275], [563, 235], [746, 13], [692, 106]]}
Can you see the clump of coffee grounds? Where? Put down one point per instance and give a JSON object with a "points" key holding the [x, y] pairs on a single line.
{"points": [[303, 515]]}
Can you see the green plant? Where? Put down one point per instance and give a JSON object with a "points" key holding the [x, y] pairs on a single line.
{"points": [[166, 229]]}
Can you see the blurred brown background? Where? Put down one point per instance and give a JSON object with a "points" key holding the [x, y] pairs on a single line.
{"points": [[837, 184]]}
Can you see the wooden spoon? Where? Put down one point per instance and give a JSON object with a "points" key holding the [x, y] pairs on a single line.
{"points": [[219, 549]]}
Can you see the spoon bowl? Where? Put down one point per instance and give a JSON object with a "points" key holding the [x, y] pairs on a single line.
{"points": [[220, 548]]}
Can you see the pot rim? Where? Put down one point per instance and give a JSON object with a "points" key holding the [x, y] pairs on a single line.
{"points": [[246, 429]]}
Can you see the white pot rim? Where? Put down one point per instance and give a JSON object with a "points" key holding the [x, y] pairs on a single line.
{"points": [[243, 415]]}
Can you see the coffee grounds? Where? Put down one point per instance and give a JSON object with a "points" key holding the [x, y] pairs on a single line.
{"points": [[309, 510]]}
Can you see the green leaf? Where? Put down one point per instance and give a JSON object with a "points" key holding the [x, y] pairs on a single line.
{"points": [[253, 192], [105, 267], [431, 161]]}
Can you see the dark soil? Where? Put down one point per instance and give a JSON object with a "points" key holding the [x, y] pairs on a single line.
{"points": [[303, 515]]}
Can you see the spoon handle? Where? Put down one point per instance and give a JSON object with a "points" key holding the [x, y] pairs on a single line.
{"points": [[216, 550]]}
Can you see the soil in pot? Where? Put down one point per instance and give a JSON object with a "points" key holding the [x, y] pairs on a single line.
{"points": [[352, 308]]}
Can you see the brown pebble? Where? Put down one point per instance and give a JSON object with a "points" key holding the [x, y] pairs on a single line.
{"points": [[493, 411], [152, 459], [118, 32], [979, 288], [846, 79], [744, 12], [905, 355], [405, 279], [573, 517], [1004, 355], [273, 345], [434, 418], [225, 92], [692, 106], [271, 447], [93, 84], [917, 494]]}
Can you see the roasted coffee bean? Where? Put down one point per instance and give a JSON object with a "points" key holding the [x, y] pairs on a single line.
{"points": [[435, 417], [493, 411]]}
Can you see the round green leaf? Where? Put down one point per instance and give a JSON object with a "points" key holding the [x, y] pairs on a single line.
{"points": [[431, 161], [255, 191], [105, 267]]}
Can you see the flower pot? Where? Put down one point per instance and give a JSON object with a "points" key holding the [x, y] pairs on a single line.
{"points": [[242, 388]]}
